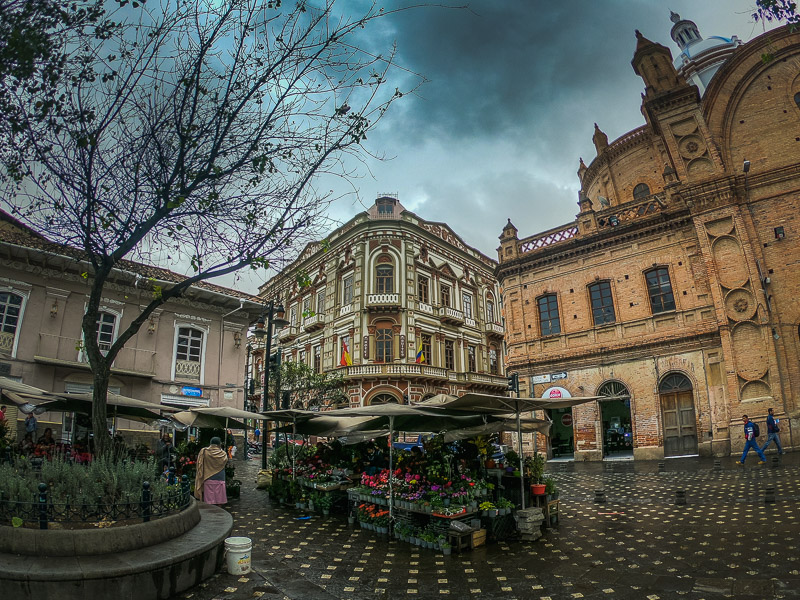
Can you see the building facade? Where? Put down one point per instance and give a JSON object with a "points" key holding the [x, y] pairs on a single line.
{"points": [[190, 353], [674, 292], [383, 288]]}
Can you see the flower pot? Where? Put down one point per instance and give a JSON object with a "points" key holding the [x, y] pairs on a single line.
{"points": [[492, 513], [490, 464], [351, 520], [447, 551], [311, 506], [484, 513], [447, 501], [537, 489], [428, 508], [326, 512], [516, 473]]}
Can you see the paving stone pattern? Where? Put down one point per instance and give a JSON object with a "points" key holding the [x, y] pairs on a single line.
{"points": [[724, 543]]}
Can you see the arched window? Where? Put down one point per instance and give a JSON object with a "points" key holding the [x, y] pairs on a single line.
{"points": [[10, 306], [490, 310], [675, 382], [493, 360], [384, 279], [614, 389], [641, 190], [384, 399]]}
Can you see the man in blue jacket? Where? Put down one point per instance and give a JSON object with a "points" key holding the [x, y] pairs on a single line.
{"points": [[750, 441], [772, 432]]}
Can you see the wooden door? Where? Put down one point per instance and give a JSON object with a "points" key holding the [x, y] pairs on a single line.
{"points": [[680, 427]]}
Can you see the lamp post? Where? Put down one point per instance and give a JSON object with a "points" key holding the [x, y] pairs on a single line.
{"points": [[272, 315]]}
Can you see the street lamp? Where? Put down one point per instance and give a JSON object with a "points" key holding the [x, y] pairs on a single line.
{"points": [[272, 315]]}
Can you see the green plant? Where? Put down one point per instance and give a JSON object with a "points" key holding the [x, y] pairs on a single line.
{"points": [[505, 503], [535, 464], [445, 546], [511, 459], [550, 486], [487, 506], [324, 501]]}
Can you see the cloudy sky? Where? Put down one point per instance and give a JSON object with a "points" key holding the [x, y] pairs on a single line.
{"points": [[514, 87]]}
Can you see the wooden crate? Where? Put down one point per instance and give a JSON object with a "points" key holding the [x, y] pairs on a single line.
{"points": [[478, 538]]}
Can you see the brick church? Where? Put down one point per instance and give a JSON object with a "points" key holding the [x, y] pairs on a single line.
{"points": [[675, 292]]}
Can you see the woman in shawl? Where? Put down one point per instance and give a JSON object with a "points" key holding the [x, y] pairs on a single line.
{"points": [[209, 484]]}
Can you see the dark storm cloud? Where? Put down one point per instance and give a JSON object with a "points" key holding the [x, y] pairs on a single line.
{"points": [[514, 89]]}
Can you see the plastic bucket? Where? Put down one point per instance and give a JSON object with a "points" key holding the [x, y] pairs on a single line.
{"points": [[238, 552]]}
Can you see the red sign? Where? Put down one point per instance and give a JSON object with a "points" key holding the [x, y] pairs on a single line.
{"points": [[555, 393], [566, 420]]}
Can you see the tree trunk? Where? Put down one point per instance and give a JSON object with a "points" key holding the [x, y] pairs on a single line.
{"points": [[102, 441]]}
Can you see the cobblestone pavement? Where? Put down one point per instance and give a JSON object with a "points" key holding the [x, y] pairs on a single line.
{"points": [[724, 543]]}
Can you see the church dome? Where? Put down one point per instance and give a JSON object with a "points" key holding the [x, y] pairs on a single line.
{"points": [[699, 58]]}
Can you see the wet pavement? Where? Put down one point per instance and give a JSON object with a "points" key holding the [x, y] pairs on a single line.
{"points": [[726, 542]]}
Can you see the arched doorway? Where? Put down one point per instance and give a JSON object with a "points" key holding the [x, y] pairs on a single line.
{"points": [[615, 414], [677, 415]]}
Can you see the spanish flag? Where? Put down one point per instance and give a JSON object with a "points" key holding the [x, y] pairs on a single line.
{"points": [[420, 353], [346, 361]]}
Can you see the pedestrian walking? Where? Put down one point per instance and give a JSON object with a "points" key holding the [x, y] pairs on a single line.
{"points": [[750, 435], [772, 432], [209, 482]]}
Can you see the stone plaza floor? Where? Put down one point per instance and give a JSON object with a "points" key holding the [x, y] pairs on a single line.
{"points": [[726, 542]]}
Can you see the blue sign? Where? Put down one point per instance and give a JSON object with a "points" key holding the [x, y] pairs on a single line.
{"points": [[191, 391]]}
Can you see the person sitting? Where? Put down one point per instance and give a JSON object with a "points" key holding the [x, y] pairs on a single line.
{"points": [[47, 438], [209, 483], [374, 460], [26, 445]]}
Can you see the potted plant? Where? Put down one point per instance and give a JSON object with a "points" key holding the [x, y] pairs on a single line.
{"points": [[550, 488], [486, 507], [447, 549], [511, 460], [504, 506], [536, 465], [325, 501]]}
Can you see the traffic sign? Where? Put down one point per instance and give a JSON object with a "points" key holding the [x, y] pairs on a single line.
{"points": [[566, 420], [540, 379], [557, 376]]}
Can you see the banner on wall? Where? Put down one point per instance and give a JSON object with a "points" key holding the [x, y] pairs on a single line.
{"points": [[556, 392]]}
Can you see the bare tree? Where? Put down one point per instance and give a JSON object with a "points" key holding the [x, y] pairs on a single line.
{"points": [[194, 131]]}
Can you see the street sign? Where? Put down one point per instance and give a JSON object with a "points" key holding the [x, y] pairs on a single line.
{"points": [[191, 391], [557, 376], [540, 379], [566, 420]]}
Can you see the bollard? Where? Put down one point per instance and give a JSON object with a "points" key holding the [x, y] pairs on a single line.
{"points": [[680, 497], [662, 467], [184, 490], [775, 461], [146, 501], [42, 506], [718, 465], [599, 496], [769, 495]]}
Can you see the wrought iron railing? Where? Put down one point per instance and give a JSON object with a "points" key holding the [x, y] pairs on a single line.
{"points": [[187, 369], [149, 506]]}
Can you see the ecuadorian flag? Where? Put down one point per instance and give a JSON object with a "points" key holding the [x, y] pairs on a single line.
{"points": [[346, 361], [420, 353]]}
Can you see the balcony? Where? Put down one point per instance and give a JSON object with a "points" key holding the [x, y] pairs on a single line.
{"points": [[287, 334], [383, 301], [495, 329], [65, 351], [314, 322], [188, 370], [451, 315], [402, 370]]}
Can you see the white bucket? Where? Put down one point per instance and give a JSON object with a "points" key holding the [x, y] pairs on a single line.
{"points": [[238, 552]]}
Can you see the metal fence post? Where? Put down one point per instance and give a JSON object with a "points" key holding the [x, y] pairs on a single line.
{"points": [[184, 490], [42, 506], [146, 501]]}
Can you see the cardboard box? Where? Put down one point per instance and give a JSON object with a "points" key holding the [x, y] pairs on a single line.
{"points": [[478, 538]]}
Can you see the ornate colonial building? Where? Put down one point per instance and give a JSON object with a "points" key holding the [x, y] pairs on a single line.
{"points": [[384, 287], [674, 292]]}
